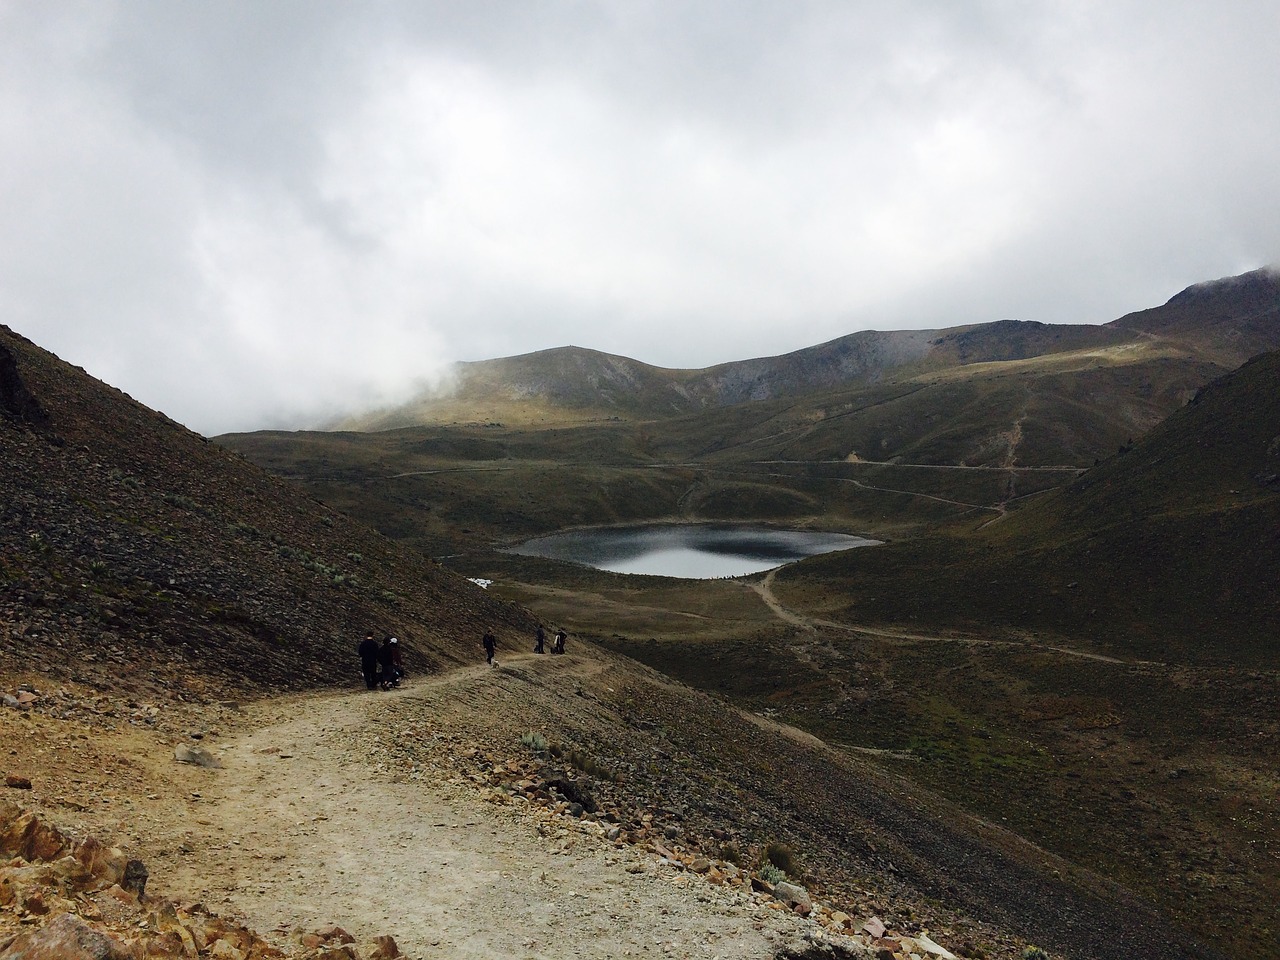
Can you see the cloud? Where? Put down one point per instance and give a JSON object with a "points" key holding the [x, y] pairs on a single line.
{"points": [[259, 215]]}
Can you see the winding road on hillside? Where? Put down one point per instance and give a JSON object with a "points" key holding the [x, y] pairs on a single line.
{"points": [[764, 588], [308, 825]]}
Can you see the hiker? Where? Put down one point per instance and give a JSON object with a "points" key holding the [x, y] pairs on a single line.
{"points": [[490, 645], [392, 665], [541, 645], [558, 646], [368, 651]]}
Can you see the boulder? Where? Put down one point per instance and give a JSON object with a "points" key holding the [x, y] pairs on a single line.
{"points": [[67, 937], [794, 896], [108, 864], [25, 836]]}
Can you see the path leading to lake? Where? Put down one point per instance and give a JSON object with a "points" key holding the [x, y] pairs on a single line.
{"points": [[304, 826], [765, 590]]}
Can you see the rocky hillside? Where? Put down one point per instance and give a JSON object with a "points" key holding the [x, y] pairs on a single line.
{"points": [[130, 541], [1230, 319], [1168, 549], [1224, 322]]}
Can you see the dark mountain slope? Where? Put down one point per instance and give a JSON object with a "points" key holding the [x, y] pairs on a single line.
{"points": [[1169, 550], [130, 541], [1229, 320]]}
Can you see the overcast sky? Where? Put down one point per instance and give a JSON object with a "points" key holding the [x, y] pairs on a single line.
{"points": [[253, 214]]}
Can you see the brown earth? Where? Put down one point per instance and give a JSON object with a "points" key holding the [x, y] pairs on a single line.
{"points": [[412, 813]]}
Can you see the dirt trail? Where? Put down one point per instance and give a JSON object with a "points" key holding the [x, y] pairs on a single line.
{"points": [[303, 827], [765, 589]]}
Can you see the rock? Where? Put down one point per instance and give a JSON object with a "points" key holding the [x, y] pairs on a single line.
{"points": [[135, 878], [840, 918], [225, 951], [812, 948], [874, 928], [18, 783], [336, 934], [933, 949], [761, 886], [794, 896], [66, 938], [108, 864], [700, 865], [27, 837], [197, 755], [380, 948]]}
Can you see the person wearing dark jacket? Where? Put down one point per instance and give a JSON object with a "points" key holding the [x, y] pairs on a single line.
{"points": [[540, 638], [389, 658], [368, 651], [490, 645]]}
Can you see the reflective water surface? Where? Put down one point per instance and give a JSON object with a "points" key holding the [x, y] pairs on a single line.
{"points": [[691, 551]]}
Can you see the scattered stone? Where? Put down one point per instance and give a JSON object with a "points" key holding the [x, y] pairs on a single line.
{"points": [[18, 783], [929, 947], [198, 756], [874, 928]]}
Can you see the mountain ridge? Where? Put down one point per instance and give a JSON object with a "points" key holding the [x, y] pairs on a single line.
{"points": [[1227, 320]]}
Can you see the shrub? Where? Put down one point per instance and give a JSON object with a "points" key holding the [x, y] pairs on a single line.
{"points": [[771, 874], [782, 857], [534, 741], [731, 853], [1034, 953]]}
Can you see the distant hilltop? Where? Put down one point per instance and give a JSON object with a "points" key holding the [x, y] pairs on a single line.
{"points": [[1223, 322]]}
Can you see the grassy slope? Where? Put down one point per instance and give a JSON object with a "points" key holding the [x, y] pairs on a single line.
{"points": [[1165, 550]]}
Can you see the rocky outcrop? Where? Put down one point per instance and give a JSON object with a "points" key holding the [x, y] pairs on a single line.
{"points": [[16, 401], [66, 899]]}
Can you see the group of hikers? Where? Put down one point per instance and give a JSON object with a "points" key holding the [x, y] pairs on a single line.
{"points": [[383, 668], [380, 662], [490, 643]]}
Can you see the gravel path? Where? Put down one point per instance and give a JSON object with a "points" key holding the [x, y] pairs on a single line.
{"points": [[302, 828]]}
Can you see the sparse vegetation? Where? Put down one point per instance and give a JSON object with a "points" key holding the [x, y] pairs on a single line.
{"points": [[534, 741], [771, 873], [782, 857]]}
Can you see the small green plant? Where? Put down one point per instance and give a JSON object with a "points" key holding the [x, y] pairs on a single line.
{"points": [[534, 741], [782, 857], [1034, 953], [769, 873]]}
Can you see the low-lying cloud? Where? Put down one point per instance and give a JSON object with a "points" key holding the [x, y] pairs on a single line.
{"points": [[256, 215]]}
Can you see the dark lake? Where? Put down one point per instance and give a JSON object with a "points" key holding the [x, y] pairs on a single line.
{"points": [[691, 551]]}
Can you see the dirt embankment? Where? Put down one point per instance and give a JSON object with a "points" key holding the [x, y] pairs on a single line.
{"points": [[415, 813]]}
